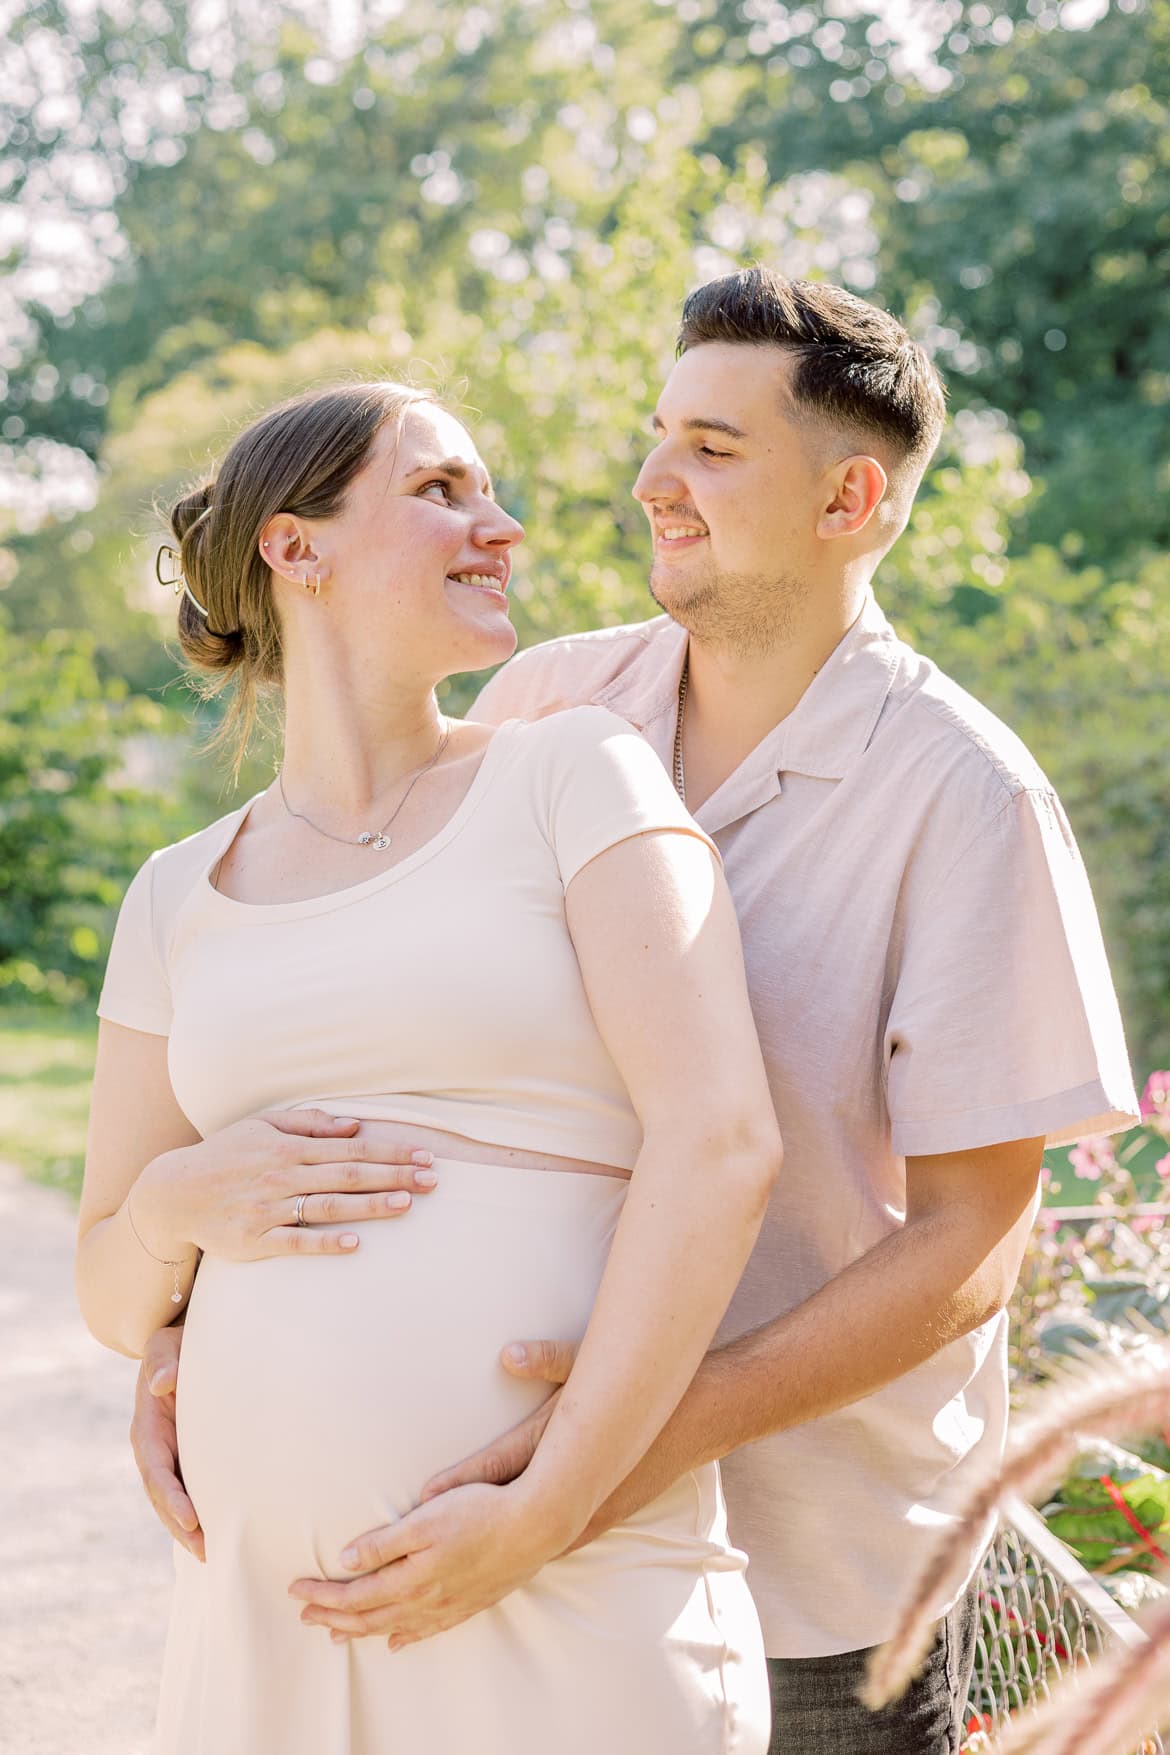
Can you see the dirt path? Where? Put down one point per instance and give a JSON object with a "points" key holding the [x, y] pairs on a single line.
{"points": [[84, 1568]]}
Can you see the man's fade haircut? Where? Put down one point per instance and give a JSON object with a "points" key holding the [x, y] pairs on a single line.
{"points": [[854, 366]]}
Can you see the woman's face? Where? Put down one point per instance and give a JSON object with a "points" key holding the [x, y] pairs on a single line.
{"points": [[421, 555]]}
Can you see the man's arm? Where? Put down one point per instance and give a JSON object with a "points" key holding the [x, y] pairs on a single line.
{"points": [[950, 1268]]}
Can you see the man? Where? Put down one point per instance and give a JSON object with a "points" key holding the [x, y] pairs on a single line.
{"points": [[928, 980]]}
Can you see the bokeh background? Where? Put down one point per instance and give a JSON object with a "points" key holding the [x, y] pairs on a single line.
{"points": [[207, 207]]}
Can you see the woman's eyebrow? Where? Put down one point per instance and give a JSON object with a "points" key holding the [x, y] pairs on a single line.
{"points": [[453, 466]]}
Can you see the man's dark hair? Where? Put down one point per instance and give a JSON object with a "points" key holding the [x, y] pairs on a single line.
{"points": [[854, 365]]}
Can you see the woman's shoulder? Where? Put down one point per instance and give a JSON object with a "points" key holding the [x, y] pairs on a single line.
{"points": [[589, 755], [173, 871], [573, 730]]}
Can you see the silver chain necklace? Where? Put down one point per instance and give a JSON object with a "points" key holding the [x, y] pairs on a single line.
{"points": [[368, 837], [680, 778]]}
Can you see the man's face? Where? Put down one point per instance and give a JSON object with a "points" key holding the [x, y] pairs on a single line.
{"points": [[732, 493]]}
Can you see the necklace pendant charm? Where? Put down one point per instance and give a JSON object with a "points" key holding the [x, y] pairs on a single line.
{"points": [[364, 840], [381, 841]]}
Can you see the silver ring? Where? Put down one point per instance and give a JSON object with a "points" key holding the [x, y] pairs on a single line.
{"points": [[299, 1210]]}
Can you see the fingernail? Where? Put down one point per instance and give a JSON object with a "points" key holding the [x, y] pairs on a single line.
{"points": [[517, 1354], [159, 1378], [347, 1240], [347, 1121], [422, 1158], [425, 1178], [398, 1201], [349, 1556]]}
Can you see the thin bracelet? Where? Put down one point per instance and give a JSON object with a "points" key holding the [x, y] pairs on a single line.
{"points": [[176, 1295]]}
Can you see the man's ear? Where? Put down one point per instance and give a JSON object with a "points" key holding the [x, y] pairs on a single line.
{"points": [[856, 489]]}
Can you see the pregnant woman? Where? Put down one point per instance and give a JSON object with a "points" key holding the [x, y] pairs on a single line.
{"points": [[509, 956]]}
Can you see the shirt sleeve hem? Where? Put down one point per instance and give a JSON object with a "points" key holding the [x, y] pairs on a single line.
{"points": [[1063, 1118], [133, 1017], [628, 832]]}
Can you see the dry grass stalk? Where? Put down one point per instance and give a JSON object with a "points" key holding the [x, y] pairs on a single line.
{"points": [[1109, 1401]]}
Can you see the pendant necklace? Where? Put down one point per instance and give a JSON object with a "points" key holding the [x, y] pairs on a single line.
{"points": [[368, 837]]}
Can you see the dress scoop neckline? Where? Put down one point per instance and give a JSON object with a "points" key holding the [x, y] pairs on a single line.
{"points": [[367, 886]]}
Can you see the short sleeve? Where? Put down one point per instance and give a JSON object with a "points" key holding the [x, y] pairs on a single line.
{"points": [[136, 991], [1004, 1023], [605, 784]]}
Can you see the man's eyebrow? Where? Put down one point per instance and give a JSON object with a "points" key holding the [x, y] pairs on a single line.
{"points": [[705, 424], [453, 466]]}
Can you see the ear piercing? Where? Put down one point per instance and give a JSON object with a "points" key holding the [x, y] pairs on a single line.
{"points": [[312, 581]]}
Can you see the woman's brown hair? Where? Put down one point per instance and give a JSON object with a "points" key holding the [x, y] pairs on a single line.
{"points": [[299, 458]]}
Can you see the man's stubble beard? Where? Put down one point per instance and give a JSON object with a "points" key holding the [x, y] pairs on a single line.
{"points": [[743, 614]]}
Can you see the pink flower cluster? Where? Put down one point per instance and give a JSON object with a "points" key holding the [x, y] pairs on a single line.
{"points": [[1155, 1103], [1092, 1157], [1155, 1108]]}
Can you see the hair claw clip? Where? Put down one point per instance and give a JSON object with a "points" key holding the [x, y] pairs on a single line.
{"points": [[175, 578]]}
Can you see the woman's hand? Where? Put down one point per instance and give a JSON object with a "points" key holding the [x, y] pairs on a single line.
{"points": [[155, 1442], [234, 1194], [437, 1566]]}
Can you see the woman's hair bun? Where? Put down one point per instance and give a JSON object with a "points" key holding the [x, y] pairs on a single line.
{"points": [[191, 508]]}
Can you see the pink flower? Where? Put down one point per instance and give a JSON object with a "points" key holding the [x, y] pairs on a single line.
{"points": [[1163, 1167], [1156, 1096], [1091, 1157]]}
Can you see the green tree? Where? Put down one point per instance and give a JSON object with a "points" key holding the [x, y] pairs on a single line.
{"points": [[74, 821]]}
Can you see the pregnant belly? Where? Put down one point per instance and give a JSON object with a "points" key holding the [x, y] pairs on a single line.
{"points": [[316, 1395]]}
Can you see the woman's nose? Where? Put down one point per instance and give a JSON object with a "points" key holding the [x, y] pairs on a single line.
{"points": [[501, 530]]}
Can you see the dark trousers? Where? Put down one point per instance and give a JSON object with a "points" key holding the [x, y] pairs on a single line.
{"points": [[815, 1709]]}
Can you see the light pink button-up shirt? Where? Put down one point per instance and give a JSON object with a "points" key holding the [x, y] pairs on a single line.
{"points": [[927, 975]]}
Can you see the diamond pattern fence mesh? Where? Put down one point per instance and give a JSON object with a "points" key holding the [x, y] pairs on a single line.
{"points": [[1042, 1617]]}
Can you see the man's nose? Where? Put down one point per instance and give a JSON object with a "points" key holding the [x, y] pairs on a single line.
{"points": [[656, 480]]}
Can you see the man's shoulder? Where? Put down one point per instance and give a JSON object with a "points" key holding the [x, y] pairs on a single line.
{"points": [[970, 750], [565, 672]]}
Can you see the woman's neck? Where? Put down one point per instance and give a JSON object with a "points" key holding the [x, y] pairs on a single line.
{"points": [[346, 748]]}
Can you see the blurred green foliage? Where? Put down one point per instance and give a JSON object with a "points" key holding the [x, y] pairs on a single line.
{"points": [[511, 200], [71, 819]]}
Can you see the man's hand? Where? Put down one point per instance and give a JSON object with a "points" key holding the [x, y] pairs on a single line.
{"points": [[434, 1568], [156, 1448], [509, 1455], [506, 1458]]}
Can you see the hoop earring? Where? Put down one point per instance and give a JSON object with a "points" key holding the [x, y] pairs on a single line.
{"points": [[315, 586]]}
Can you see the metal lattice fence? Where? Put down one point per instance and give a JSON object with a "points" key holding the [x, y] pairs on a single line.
{"points": [[1043, 1616]]}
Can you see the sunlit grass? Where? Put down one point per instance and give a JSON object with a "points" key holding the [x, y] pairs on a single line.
{"points": [[46, 1065]]}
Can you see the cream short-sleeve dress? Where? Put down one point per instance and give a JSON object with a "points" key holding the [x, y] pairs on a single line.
{"points": [[317, 1395]]}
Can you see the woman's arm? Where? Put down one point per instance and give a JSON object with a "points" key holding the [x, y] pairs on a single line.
{"points": [[655, 933], [656, 937], [154, 1192], [133, 1119]]}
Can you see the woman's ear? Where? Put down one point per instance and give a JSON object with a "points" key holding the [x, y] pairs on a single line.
{"points": [[286, 545]]}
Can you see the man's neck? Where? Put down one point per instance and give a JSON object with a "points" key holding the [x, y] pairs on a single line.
{"points": [[735, 699]]}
